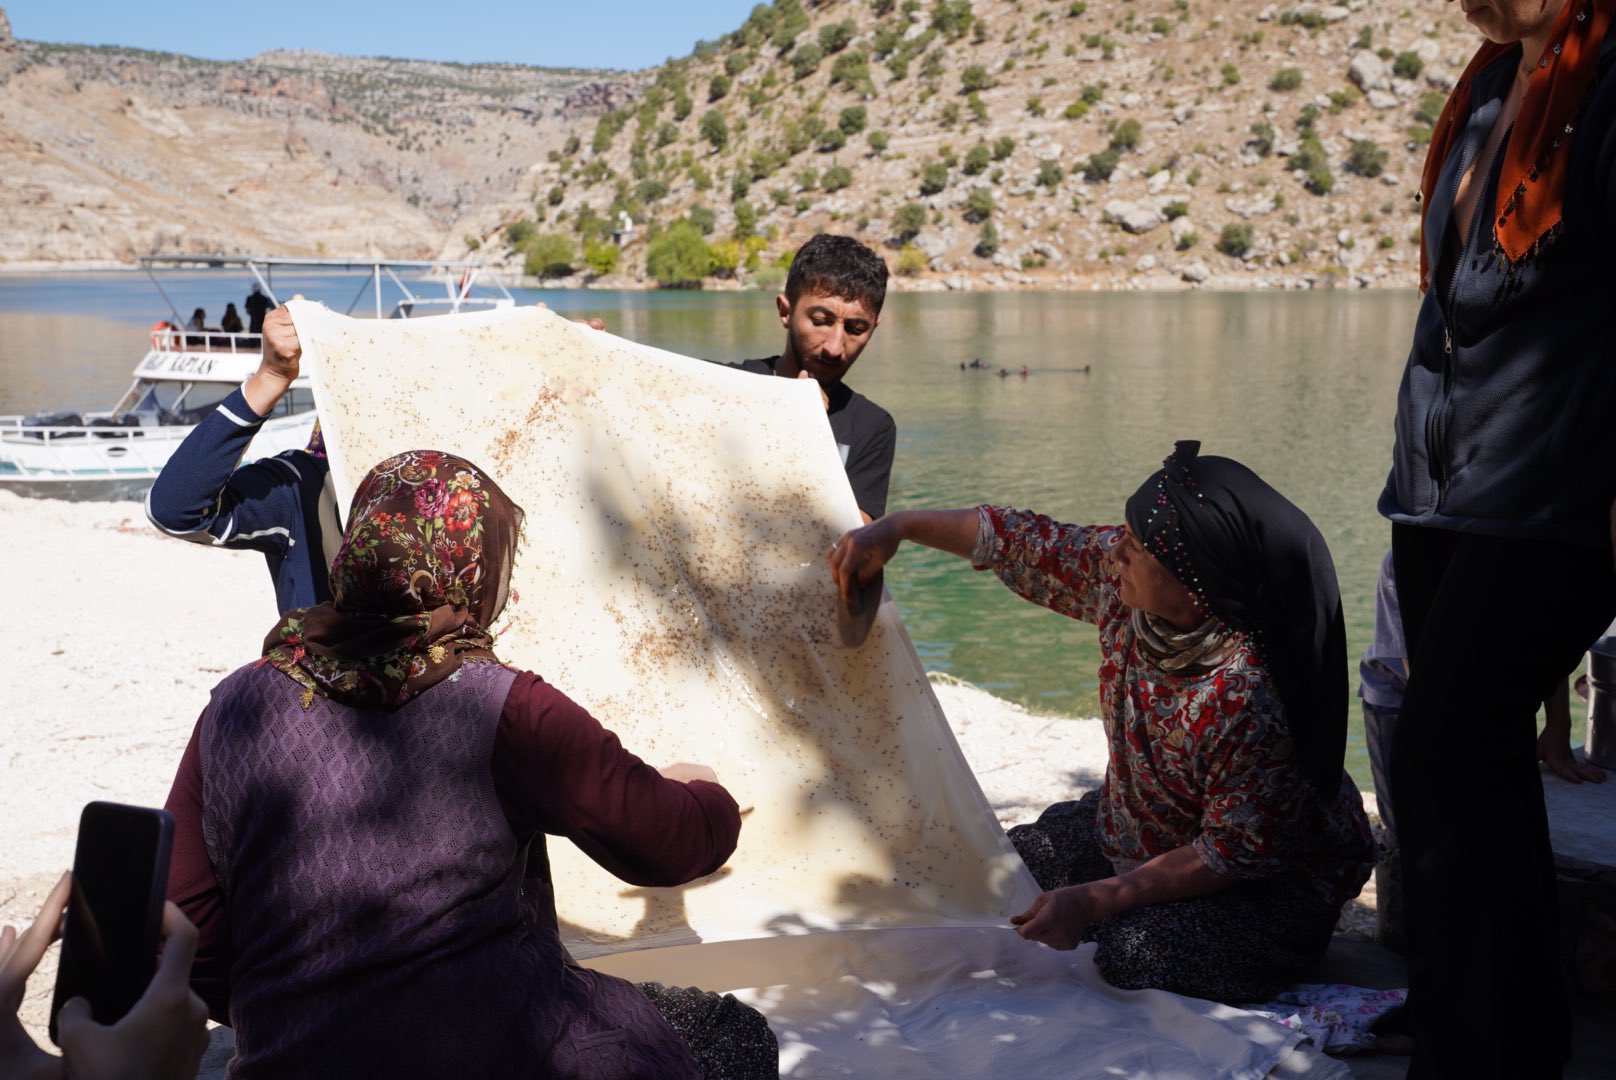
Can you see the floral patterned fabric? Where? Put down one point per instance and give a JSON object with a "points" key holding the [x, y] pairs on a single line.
{"points": [[1203, 759], [423, 572]]}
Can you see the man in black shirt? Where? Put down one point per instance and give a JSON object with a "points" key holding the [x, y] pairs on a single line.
{"points": [[830, 309]]}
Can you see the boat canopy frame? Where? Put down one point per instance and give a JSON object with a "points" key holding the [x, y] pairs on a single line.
{"points": [[263, 269]]}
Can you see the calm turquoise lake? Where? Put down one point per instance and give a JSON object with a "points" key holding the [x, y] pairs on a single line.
{"points": [[1300, 386]]}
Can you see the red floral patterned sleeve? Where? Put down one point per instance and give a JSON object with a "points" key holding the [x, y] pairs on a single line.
{"points": [[1252, 791], [1063, 567]]}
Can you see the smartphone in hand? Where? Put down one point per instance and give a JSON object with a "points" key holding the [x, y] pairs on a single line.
{"points": [[115, 913]]}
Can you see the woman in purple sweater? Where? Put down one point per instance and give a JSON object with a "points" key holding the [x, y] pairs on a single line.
{"points": [[360, 828]]}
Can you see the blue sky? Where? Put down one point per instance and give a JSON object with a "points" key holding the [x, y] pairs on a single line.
{"points": [[553, 33]]}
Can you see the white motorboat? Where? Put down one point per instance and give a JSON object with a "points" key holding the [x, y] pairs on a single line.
{"points": [[118, 452]]}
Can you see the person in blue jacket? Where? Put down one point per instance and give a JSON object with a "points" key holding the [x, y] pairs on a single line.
{"points": [[281, 506]]}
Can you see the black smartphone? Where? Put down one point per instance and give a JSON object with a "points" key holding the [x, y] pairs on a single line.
{"points": [[109, 939]]}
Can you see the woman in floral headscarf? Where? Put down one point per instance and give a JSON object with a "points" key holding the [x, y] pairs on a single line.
{"points": [[360, 820], [1502, 498], [1215, 857]]}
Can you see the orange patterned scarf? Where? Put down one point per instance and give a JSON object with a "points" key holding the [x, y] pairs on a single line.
{"points": [[1531, 186]]}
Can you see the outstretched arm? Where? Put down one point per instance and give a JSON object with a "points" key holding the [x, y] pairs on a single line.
{"points": [[860, 553], [1060, 918]]}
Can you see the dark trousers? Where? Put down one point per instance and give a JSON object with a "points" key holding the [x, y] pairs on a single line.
{"points": [[1492, 625]]}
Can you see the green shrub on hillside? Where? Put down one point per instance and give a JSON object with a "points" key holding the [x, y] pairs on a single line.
{"points": [[834, 37], [933, 178], [745, 219], [601, 257], [1365, 158], [1125, 136], [1310, 158], [832, 140], [1236, 239], [1408, 65], [1286, 79], [951, 18], [1049, 174], [717, 88], [805, 61], [1101, 165], [909, 220], [853, 119], [1003, 147], [703, 218], [979, 204], [911, 261], [836, 178], [851, 70], [789, 21], [518, 233], [1262, 138], [987, 241], [548, 255], [975, 77], [976, 159], [714, 128], [878, 141]]}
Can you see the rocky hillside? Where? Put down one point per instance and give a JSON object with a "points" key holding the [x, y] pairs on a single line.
{"points": [[984, 143], [1050, 143], [114, 152]]}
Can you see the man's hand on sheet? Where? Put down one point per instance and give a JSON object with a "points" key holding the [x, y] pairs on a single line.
{"points": [[1059, 919], [279, 364], [685, 771], [824, 398]]}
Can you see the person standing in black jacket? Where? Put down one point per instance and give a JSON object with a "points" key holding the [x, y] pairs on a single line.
{"points": [[1502, 498]]}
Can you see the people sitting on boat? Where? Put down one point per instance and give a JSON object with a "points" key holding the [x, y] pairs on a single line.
{"points": [[370, 887], [198, 321], [258, 305], [1216, 856], [231, 323]]}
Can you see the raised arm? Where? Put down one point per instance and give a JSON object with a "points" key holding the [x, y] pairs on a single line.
{"points": [[193, 497], [557, 770]]}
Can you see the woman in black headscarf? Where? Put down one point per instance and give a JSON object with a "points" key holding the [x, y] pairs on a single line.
{"points": [[1216, 856]]}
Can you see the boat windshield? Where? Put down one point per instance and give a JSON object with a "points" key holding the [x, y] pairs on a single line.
{"points": [[166, 402]]}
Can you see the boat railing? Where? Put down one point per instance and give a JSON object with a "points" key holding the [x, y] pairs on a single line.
{"points": [[170, 338], [112, 445]]}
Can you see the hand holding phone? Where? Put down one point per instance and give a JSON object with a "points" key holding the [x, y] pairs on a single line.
{"points": [[162, 1038], [109, 940]]}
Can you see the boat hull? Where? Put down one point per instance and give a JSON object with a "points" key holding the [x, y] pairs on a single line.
{"points": [[109, 464]]}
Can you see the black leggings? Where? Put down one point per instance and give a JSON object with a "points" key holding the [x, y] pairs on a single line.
{"points": [[1492, 625]]}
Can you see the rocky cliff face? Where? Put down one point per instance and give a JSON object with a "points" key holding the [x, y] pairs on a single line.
{"points": [[117, 152], [1052, 144], [985, 143]]}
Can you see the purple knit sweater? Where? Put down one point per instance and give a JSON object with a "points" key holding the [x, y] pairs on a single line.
{"points": [[382, 916]]}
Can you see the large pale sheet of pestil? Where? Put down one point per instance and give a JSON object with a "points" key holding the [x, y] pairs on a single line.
{"points": [[673, 582]]}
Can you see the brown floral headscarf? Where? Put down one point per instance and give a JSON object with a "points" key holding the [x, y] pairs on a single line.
{"points": [[423, 572]]}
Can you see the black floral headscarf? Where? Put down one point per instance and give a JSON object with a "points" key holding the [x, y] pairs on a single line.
{"points": [[423, 572], [1258, 563]]}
